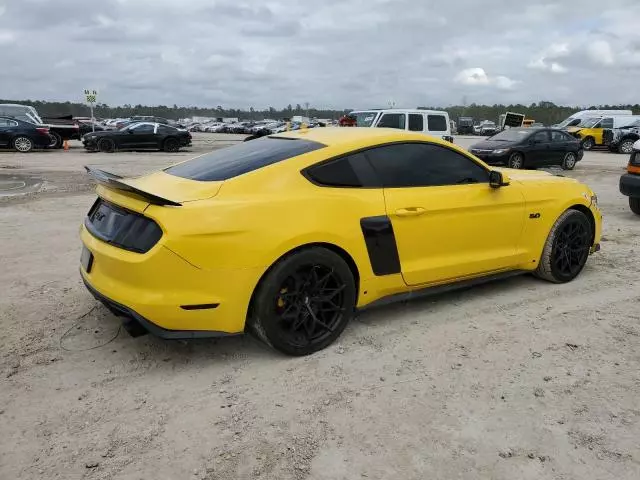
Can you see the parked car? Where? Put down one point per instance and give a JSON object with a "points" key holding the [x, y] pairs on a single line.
{"points": [[591, 130], [630, 181], [578, 117], [392, 212], [528, 148], [488, 128], [622, 139], [465, 125], [138, 136], [431, 122], [60, 128], [87, 126], [22, 136]]}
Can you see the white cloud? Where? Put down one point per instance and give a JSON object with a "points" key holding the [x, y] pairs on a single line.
{"points": [[478, 76], [6, 38], [600, 52], [545, 60]]}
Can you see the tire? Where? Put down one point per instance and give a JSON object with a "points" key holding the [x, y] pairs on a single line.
{"points": [[634, 205], [626, 146], [106, 145], [56, 140], [569, 161], [171, 145], [516, 160], [563, 260], [588, 143], [304, 302], [22, 144]]}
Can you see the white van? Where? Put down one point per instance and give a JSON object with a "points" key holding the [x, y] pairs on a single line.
{"points": [[431, 122], [577, 117]]}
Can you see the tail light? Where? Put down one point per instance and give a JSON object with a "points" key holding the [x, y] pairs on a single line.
{"points": [[634, 160], [43, 130]]}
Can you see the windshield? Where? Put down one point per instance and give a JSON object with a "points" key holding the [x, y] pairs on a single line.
{"points": [[21, 112], [568, 122], [512, 135], [364, 119], [634, 124]]}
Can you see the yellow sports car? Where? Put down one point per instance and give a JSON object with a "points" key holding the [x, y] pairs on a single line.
{"points": [[287, 235]]}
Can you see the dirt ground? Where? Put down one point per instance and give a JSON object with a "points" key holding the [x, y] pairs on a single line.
{"points": [[517, 379]]}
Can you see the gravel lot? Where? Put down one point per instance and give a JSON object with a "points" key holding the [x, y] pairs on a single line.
{"points": [[518, 379]]}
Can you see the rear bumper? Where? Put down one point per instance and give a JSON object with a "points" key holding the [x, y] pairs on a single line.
{"points": [[148, 326], [167, 295], [630, 185]]}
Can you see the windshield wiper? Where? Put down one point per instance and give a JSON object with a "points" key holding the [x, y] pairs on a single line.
{"points": [[466, 180]]}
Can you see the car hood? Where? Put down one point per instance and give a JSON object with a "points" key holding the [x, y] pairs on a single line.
{"points": [[491, 145]]}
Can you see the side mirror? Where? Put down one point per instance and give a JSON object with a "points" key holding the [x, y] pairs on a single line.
{"points": [[497, 179]]}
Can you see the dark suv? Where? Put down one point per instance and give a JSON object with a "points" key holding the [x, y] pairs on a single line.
{"points": [[630, 182]]}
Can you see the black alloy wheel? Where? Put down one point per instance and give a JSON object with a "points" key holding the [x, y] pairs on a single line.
{"points": [[304, 303], [106, 145], [171, 145], [567, 248]]}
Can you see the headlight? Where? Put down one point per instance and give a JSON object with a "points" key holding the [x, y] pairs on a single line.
{"points": [[500, 151]]}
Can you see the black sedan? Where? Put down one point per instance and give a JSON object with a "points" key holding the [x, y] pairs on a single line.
{"points": [[529, 148], [22, 136], [138, 136]]}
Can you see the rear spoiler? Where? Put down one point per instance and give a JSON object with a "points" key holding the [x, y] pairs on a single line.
{"points": [[114, 181]]}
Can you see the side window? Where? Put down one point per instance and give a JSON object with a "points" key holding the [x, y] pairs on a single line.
{"points": [[606, 123], [392, 120], [541, 137], [163, 129], [424, 165], [568, 138], [558, 136], [416, 122], [145, 128], [350, 171], [4, 122], [436, 123]]}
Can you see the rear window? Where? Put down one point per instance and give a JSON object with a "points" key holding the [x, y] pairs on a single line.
{"points": [[436, 123], [245, 157]]}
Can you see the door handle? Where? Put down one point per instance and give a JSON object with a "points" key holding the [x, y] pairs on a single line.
{"points": [[410, 211]]}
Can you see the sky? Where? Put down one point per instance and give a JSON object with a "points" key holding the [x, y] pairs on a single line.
{"points": [[329, 53]]}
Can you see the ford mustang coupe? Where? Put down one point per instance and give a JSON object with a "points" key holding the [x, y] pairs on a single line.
{"points": [[287, 235]]}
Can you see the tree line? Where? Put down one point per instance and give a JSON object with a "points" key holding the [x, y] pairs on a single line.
{"points": [[545, 112]]}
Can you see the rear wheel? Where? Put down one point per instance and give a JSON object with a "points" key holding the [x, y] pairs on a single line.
{"points": [[516, 160], [634, 205], [56, 140], [567, 248], [588, 143], [171, 145], [23, 144], [626, 146], [304, 302], [569, 161], [106, 145]]}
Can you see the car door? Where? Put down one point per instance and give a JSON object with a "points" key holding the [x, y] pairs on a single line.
{"points": [[448, 222], [140, 136], [560, 145], [598, 134], [540, 153], [6, 131]]}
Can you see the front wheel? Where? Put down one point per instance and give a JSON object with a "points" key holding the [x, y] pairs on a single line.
{"points": [[588, 143], [626, 146], [566, 249], [569, 161], [634, 205], [171, 145], [516, 160], [106, 145], [56, 140], [304, 302]]}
